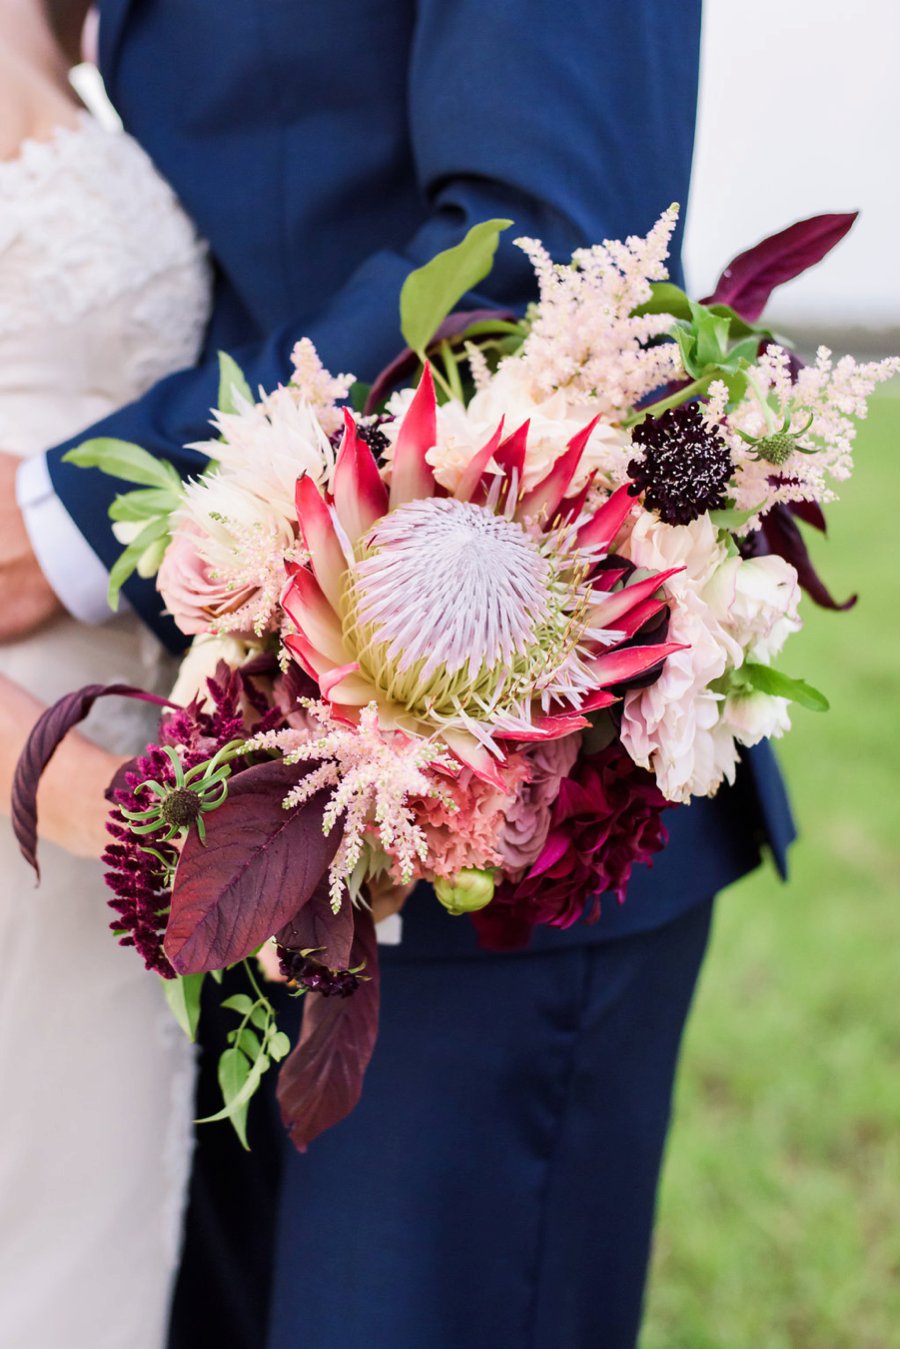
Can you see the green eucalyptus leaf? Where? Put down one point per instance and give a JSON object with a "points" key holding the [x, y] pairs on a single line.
{"points": [[431, 292], [232, 384], [260, 1016], [766, 680], [183, 997], [240, 1003], [121, 459]]}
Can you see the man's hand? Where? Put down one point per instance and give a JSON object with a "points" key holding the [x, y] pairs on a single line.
{"points": [[26, 598]]}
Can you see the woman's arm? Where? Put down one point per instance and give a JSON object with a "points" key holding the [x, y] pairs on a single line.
{"points": [[72, 809]]}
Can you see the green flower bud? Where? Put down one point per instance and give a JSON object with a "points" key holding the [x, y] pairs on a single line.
{"points": [[777, 448], [468, 891]]}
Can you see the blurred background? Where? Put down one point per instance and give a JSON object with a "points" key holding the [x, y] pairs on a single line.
{"points": [[780, 1208]]}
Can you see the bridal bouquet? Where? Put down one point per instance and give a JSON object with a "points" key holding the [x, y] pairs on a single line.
{"points": [[479, 632]]}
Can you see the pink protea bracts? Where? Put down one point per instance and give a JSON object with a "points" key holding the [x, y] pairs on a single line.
{"points": [[481, 618]]}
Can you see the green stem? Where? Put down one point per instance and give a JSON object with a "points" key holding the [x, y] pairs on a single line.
{"points": [[438, 377], [452, 368], [674, 400], [771, 423]]}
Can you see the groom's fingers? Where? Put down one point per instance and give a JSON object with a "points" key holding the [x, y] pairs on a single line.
{"points": [[27, 599]]}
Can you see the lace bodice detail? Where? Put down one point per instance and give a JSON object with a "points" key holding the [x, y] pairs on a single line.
{"points": [[104, 285]]}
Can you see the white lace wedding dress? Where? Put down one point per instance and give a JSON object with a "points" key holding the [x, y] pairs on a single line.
{"points": [[104, 289]]}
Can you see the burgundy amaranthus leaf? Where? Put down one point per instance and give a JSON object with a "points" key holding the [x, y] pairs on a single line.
{"points": [[606, 818], [141, 879]]}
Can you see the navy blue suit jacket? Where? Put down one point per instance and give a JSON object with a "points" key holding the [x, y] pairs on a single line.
{"points": [[325, 149]]}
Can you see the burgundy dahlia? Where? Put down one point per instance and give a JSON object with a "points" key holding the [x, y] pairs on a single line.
{"points": [[606, 818]]}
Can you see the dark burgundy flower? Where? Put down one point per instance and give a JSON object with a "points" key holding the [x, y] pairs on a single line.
{"points": [[684, 468], [313, 977], [606, 818]]}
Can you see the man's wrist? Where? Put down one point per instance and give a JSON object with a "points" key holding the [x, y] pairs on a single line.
{"points": [[70, 565]]}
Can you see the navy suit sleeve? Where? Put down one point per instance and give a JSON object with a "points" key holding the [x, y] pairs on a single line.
{"points": [[575, 120]]}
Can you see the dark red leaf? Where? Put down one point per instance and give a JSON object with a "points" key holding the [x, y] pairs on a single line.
{"points": [[316, 928], [259, 865], [783, 537], [404, 364], [321, 1080], [811, 513], [48, 732], [748, 281]]}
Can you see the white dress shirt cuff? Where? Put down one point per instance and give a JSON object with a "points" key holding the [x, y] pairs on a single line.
{"points": [[64, 555]]}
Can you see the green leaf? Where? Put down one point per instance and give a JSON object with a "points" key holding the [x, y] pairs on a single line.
{"points": [[247, 1040], [121, 459], [359, 395], [260, 1016], [183, 997], [151, 559], [732, 519], [145, 503], [127, 561], [430, 293], [234, 1074], [232, 384], [766, 680], [489, 328], [279, 1046], [666, 299], [240, 1003]]}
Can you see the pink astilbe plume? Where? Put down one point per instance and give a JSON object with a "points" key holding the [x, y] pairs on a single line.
{"points": [[583, 337], [375, 776]]}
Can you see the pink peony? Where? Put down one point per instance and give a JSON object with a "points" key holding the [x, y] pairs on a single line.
{"points": [[607, 817]]}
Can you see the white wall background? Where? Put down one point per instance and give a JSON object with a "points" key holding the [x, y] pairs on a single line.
{"points": [[800, 114]]}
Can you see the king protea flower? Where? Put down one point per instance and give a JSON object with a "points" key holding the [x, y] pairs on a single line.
{"points": [[478, 618]]}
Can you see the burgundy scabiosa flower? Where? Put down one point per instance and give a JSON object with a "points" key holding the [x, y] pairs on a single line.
{"points": [[311, 976], [606, 818], [684, 468]]}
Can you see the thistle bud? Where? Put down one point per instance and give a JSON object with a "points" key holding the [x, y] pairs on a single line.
{"points": [[777, 448], [469, 890]]}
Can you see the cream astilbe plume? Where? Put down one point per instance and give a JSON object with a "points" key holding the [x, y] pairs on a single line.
{"points": [[584, 338]]}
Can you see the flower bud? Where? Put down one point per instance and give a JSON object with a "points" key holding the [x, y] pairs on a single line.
{"points": [[469, 890]]}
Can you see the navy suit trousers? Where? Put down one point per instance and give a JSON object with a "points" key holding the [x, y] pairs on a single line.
{"points": [[495, 1187]]}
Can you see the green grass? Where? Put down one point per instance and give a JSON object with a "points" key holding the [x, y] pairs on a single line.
{"points": [[779, 1222]]}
